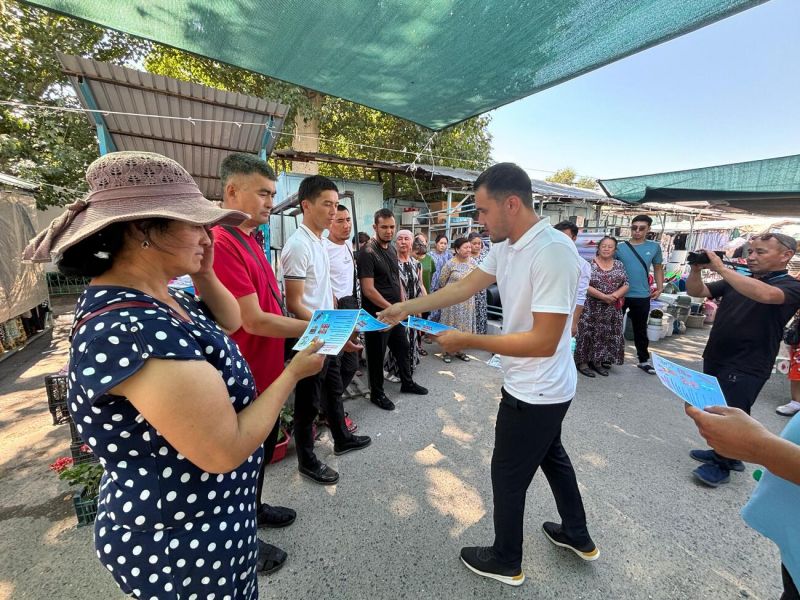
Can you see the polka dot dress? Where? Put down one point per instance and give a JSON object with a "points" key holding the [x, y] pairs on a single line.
{"points": [[165, 528]]}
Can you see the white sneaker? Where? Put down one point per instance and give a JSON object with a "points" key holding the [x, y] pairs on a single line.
{"points": [[788, 410]]}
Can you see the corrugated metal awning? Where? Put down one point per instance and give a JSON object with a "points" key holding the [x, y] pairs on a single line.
{"points": [[466, 177], [539, 187], [198, 146]]}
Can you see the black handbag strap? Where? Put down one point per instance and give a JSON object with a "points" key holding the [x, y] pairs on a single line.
{"points": [[638, 256], [237, 234]]}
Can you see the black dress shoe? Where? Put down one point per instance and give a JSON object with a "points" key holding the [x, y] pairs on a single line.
{"points": [[320, 473], [356, 442], [274, 517], [413, 388], [382, 402], [270, 558]]}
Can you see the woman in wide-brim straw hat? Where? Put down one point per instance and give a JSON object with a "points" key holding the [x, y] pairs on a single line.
{"points": [[156, 388]]}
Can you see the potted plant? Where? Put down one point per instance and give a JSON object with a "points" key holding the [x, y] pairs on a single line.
{"points": [[86, 476], [655, 317], [286, 425]]}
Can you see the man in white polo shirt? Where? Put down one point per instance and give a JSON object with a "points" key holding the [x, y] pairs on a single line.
{"points": [[306, 273], [537, 270]]}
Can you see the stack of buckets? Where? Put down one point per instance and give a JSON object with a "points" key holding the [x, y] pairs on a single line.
{"points": [[659, 328]]}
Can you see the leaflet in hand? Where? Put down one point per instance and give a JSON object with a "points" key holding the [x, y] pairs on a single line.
{"points": [[366, 322], [333, 327], [430, 327], [698, 389]]}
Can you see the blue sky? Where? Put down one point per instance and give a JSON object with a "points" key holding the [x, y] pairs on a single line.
{"points": [[729, 92]]}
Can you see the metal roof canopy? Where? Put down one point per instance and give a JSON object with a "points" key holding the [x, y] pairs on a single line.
{"points": [[434, 63], [445, 175], [198, 146], [768, 187]]}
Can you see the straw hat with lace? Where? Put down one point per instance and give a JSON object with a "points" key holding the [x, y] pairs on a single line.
{"points": [[128, 186]]}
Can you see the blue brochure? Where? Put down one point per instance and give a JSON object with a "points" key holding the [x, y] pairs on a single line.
{"points": [[333, 327], [698, 389], [430, 327], [366, 322]]}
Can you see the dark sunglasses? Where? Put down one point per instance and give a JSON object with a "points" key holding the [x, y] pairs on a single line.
{"points": [[783, 240]]}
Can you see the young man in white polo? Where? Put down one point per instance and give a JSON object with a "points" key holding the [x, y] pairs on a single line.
{"points": [[307, 277], [537, 270]]}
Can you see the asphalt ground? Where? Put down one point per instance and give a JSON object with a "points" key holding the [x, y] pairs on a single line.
{"points": [[393, 526]]}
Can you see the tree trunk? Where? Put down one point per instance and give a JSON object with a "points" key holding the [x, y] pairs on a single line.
{"points": [[306, 136]]}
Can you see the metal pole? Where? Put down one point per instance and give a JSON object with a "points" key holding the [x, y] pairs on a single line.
{"points": [[447, 223]]}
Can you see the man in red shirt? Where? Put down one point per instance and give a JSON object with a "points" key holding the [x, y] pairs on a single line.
{"points": [[242, 267]]}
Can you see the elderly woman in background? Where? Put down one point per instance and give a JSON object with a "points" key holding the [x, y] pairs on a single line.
{"points": [[460, 316], [157, 389], [599, 340], [411, 287], [479, 251]]}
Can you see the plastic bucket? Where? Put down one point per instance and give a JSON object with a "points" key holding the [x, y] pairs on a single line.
{"points": [[654, 332]]}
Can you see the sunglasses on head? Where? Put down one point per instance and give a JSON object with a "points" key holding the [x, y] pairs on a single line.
{"points": [[781, 239]]}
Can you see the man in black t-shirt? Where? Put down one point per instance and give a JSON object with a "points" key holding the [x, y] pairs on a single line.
{"points": [[379, 273], [747, 331]]}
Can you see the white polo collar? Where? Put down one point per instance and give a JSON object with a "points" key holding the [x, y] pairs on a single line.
{"points": [[529, 235]]}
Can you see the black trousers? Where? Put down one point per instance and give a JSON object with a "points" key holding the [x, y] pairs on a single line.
{"points": [[308, 399], [349, 366], [638, 313], [269, 449], [789, 588], [740, 389], [528, 436], [375, 343]]}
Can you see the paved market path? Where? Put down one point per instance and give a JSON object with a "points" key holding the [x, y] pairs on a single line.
{"points": [[393, 526]]}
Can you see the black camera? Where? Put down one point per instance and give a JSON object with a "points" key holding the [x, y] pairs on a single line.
{"points": [[699, 257]]}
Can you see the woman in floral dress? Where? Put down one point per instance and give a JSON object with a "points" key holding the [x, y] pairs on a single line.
{"points": [[479, 251], [599, 340], [460, 316]]}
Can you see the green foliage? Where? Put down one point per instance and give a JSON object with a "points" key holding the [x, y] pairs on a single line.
{"points": [[85, 473], [286, 418], [41, 146], [567, 176]]}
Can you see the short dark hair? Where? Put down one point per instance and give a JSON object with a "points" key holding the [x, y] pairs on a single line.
{"points": [[341, 208], [362, 237], [567, 226], [473, 235], [506, 179], [311, 187], [643, 219], [603, 239], [459, 242], [441, 236], [240, 163], [383, 213]]}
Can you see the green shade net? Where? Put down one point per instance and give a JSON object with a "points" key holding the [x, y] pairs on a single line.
{"points": [[434, 62], [770, 186]]}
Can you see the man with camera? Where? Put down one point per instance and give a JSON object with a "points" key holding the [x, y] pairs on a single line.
{"points": [[747, 330]]}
